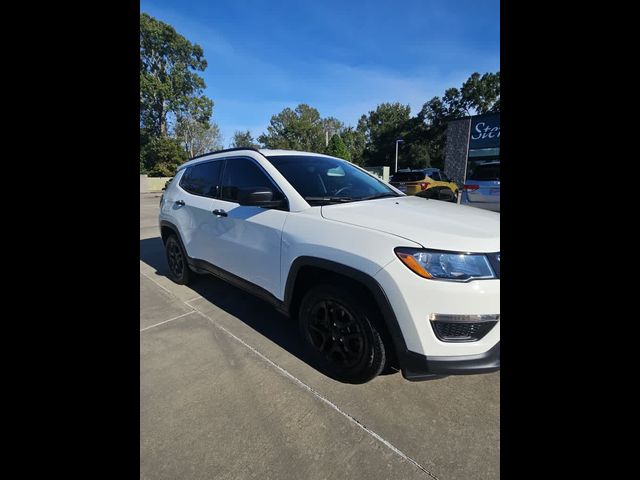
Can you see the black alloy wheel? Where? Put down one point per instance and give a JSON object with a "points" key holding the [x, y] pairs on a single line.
{"points": [[339, 325], [336, 333], [178, 268]]}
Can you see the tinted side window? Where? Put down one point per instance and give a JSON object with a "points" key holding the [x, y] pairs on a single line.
{"points": [[185, 181], [202, 179], [243, 173], [435, 176]]}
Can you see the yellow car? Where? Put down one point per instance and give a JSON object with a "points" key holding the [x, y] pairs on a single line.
{"points": [[414, 182]]}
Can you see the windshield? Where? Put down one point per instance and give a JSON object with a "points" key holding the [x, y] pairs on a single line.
{"points": [[326, 180], [486, 172]]}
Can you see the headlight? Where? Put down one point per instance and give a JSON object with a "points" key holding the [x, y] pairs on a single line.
{"points": [[459, 267]]}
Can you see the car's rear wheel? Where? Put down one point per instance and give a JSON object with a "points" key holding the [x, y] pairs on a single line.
{"points": [[177, 259], [447, 195], [339, 327]]}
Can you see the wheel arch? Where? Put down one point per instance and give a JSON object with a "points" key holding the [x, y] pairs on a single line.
{"points": [[304, 272], [166, 229]]}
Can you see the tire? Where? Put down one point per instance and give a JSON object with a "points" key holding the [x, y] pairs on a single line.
{"points": [[446, 195], [179, 270], [338, 326]]}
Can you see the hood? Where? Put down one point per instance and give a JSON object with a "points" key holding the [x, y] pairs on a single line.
{"points": [[431, 223]]}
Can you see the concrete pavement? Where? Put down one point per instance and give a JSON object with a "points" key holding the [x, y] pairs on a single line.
{"points": [[227, 391]]}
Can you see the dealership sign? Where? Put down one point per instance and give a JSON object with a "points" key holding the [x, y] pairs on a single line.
{"points": [[485, 131]]}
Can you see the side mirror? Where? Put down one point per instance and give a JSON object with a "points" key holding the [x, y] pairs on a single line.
{"points": [[258, 197]]}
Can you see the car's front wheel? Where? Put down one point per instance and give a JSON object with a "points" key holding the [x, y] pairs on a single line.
{"points": [[177, 259], [338, 326]]}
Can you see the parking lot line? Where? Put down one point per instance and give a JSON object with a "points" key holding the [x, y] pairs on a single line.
{"points": [[164, 288], [318, 395], [170, 320], [296, 380]]}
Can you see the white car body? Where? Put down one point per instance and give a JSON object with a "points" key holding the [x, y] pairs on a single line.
{"points": [[262, 247]]}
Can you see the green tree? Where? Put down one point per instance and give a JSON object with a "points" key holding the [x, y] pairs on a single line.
{"points": [[243, 140], [169, 83], [337, 148], [162, 156], [354, 141], [196, 137], [144, 141], [299, 129], [331, 126], [382, 127], [481, 93], [415, 151]]}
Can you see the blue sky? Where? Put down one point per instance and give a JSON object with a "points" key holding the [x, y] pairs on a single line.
{"points": [[341, 57]]}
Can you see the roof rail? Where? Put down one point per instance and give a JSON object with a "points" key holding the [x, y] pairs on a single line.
{"points": [[224, 151]]}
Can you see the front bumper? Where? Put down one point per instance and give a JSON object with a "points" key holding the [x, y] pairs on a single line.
{"points": [[412, 299], [421, 354], [416, 367]]}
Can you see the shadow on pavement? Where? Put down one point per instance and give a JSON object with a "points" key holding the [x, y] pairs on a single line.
{"points": [[242, 305]]}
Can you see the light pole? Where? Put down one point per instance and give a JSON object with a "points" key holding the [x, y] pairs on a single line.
{"points": [[397, 142]]}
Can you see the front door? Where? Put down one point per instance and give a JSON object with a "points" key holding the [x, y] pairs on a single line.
{"points": [[246, 240]]}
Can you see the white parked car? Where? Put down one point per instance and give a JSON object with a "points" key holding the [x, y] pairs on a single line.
{"points": [[375, 278]]}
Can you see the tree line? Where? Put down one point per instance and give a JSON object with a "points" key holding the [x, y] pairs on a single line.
{"points": [[176, 117]]}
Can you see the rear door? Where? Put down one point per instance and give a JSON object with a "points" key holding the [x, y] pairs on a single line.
{"points": [[193, 205], [245, 240]]}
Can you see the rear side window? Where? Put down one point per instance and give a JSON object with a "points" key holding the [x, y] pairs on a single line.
{"points": [[435, 175], [486, 172], [408, 177], [241, 173], [202, 179]]}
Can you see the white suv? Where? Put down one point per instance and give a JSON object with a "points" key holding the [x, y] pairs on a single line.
{"points": [[376, 279]]}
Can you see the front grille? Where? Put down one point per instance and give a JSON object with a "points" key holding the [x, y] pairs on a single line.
{"points": [[461, 332]]}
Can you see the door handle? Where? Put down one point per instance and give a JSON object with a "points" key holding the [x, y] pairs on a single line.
{"points": [[179, 202], [219, 212]]}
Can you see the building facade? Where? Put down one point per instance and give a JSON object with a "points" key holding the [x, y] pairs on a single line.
{"points": [[470, 142]]}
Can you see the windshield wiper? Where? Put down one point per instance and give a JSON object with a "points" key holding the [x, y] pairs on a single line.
{"points": [[379, 195], [329, 199]]}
